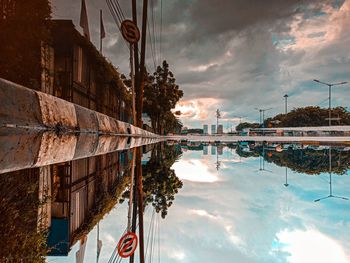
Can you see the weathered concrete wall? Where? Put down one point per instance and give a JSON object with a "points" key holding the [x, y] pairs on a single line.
{"points": [[37, 129], [22, 107], [23, 148]]}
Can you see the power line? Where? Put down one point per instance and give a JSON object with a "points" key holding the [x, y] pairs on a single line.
{"points": [[161, 31]]}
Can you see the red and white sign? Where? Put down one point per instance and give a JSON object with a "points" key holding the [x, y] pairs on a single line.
{"points": [[127, 245], [130, 31]]}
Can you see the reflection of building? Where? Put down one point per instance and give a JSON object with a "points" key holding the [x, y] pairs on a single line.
{"points": [[220, 129], [213, 129], [80, 191], [205, 129], [213, 150], [205, 149]]}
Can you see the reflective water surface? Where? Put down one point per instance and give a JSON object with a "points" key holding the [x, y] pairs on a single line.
{"points": [[246, 202]]}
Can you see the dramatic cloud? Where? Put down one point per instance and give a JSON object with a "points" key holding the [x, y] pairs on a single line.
{"points": [[239, 54]]}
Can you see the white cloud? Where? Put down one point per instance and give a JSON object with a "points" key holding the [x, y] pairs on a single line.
{"points": [[310, 246]]}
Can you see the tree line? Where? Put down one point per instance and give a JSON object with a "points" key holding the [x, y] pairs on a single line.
{"points": [[309, 116]]}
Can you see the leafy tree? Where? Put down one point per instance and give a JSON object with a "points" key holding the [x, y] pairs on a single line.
{"points": [[24, 26], [161, 93], [245, 125], [309, 116]]}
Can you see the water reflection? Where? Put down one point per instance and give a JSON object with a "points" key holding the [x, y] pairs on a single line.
{"points": [[254, 217], [265, 203]]}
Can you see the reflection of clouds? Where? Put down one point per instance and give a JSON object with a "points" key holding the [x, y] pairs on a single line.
{"points": [[244, 217], [194, 170], [109, 240], [310, 246], [247, 210], [177, 255], [203, 213]]}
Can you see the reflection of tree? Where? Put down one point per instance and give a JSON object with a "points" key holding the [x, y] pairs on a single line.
{"points": [[305, 160], [160, 183], [20, 239]]}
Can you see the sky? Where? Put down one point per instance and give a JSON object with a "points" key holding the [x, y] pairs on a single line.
{"points": [[237, 55], [221, 216]]}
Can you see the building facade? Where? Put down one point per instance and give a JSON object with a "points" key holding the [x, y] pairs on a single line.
{"points": [[205, 129], [74, 70], [213, 129]]}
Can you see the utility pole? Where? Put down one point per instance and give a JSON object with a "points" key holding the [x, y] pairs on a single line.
{"points": [[330, 85], [139, 84], [136, 78], [285, 100]]}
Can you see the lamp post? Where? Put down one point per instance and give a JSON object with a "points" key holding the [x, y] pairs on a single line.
{"points": [[260, 111], [330, 85], [285, 100]]}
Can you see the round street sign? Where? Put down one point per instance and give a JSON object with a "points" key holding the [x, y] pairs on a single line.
{"points": [[127, 245], [130, 31]]}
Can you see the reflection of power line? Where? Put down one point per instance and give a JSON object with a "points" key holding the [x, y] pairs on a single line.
{"points": [[330, 182]]}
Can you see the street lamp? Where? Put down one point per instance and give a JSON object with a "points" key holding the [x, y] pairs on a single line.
{"points": [[285, 100], [330, 85], [262, 112]]}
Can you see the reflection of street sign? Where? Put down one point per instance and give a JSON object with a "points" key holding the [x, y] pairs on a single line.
{"points": [[130, 31], [127, 245]]}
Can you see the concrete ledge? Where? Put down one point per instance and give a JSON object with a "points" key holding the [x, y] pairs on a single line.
{"points": [[87, 119], [18, 148], [56, 148], [19, 105], [57, 112]]}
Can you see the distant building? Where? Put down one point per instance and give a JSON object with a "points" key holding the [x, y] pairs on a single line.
{"points": [[220, 129], [205, 129], [213, 129]]}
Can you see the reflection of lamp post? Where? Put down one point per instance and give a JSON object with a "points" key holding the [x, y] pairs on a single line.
{"points": [[285, 100], [286, 184], [330, 85], [262, 162], [330, 182]]}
